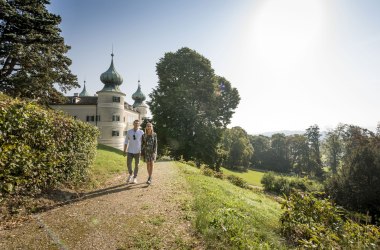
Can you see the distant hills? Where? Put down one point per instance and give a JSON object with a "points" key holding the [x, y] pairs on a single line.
{"points": [[291, 132], [286, 132]]}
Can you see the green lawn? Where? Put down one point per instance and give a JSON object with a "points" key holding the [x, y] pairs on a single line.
{"points": [[251, 176], [109, 161], [230, 217]]}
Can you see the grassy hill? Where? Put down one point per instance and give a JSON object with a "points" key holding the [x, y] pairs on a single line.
{"points": [[251, 176], [231, 217], [226, 216]]}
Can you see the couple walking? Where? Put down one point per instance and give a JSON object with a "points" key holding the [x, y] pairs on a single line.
{"points": [[137, 143]]}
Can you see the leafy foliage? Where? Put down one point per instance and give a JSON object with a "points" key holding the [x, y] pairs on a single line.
{"points": [[238, 181], [357, 182], [32, 52], [314, 161], [333, 148], [39, 147], [261, 145], [310, 222], [236, 148], [286, 185], [191, 106]]}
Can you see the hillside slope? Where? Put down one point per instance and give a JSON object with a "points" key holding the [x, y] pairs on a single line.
{"points": [[183, 209]]}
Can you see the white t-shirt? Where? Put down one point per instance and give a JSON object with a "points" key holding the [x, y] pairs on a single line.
{"points": [[133, 141]]}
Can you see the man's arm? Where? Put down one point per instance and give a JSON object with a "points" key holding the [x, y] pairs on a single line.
{"points": [[125, 145]]}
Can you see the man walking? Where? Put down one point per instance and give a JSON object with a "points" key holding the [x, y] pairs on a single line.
{"points": [[133, 144]]}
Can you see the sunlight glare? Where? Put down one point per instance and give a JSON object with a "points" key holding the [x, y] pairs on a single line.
{"points": [[284, 30]]}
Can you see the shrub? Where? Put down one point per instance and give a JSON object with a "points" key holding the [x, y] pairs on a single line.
{"points": [[282, 186], [191, 163], [207, 171], [268, 181], [237, 181], [285, 185], [40, 148], [310, 222], [219, 175]]}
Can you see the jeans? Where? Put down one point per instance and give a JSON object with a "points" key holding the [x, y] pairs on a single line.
{"points": [[130, 157]]}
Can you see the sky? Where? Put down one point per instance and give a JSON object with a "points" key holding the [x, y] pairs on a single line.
{"points": [[295, 63]]}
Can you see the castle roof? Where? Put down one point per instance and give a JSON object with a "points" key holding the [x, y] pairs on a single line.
{"points": [[82, 100], [138, 96], [84, 91], [111, 78]]}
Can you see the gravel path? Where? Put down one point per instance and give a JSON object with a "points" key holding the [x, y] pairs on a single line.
{"points": [[119, 216]]}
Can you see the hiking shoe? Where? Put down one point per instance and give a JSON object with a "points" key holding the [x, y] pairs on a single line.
{"points": [[130, 179], [149, 181], [135, 180]]}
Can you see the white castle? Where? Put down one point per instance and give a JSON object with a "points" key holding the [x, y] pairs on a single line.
{"points": [[108, 109]]}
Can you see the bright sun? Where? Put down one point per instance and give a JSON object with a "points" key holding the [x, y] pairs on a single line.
{"points": [[284, 30]]}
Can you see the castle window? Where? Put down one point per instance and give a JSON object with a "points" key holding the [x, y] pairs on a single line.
{"points": [[90, 118], [98, 117], [115, 98], [115, 118], [115, 133]]}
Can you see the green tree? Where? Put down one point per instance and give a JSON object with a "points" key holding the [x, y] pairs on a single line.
{"points": [[299, 153], [32, 52], [315, 162], [279, 148], [357, 183], [191, 105], [235, 142], [261, 145], [333, 149]]}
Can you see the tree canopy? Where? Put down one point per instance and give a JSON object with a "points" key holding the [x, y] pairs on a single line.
{"points": [[237, 147], [191, 105], [356, 185], [32, 52]]}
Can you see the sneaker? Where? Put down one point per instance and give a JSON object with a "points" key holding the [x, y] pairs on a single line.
{"points": [[130, 179], [149, 181], [135, 180]]}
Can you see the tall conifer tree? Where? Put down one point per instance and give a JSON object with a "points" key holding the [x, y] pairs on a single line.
{"points": [[32, 52]]}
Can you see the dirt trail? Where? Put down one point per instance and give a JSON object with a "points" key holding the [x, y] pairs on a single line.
{"points": [[120, 216]]}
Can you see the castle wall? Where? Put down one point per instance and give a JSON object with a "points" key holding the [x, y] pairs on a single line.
{"points": [[113, 118]]}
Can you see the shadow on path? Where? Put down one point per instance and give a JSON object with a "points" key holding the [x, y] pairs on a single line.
{"points": [[63, 198]]}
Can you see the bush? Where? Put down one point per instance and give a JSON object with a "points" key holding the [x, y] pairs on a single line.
{"points": [[40, 148], [268, 180], [309, 222], [237, 181], [285, 185], [207, 171]]}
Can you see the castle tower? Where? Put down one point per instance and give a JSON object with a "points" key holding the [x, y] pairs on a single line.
{"points": [[110, 108], [84, 91], [139, 104]]}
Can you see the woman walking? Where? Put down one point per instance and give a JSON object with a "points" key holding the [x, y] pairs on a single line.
{"points": [[149, 149]]}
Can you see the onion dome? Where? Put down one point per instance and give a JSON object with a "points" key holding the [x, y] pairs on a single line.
{"points": [[111, 79], [138, 96], [84, 91]]}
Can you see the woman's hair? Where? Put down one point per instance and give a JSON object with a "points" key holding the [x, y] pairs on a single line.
{"points": [[147, 129]]}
